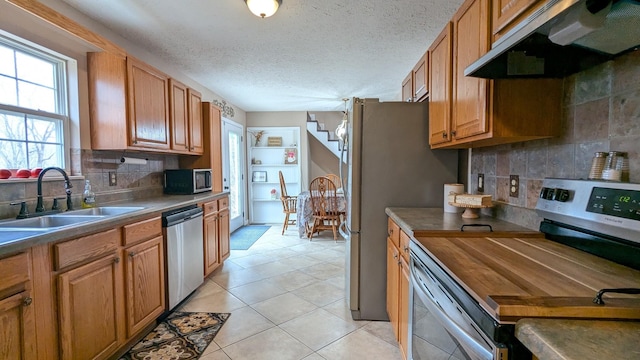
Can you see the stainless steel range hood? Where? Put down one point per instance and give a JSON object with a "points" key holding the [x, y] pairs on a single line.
{"points": [[561, 38]]}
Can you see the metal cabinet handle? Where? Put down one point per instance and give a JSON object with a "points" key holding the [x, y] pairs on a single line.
{"points": [[444, 134], [132, 254], [27, 301], [406, 249], [453, 133], [186, 147], [116, 260]]}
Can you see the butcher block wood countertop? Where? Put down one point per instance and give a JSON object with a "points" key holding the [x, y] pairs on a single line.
{"points": [[519, 274]]}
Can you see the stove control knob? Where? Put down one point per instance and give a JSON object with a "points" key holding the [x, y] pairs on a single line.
{"points": [[562, 195], [544, 193]]}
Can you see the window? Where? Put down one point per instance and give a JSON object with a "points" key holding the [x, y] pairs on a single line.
{"points": [[33, 107]]}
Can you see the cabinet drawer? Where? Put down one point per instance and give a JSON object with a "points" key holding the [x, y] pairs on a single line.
{"points": [[223, 203], [393, 232], [210, 207], [142, 230], [85, 248], [405, 240], [14, 271]]}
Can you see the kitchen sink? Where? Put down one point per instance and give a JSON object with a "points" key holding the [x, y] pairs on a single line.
{"points": [[102, 211], [45, 222]]}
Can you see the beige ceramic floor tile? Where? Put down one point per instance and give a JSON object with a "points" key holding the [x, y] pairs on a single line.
{"points": [[381, 329], [323, 271], [242, 324], [293, 280], [337, 281], [320, 293], [341, 309], [221, 302], [252, 260], [216, 355], [257, 291], [272, 344], [284, 308], [360, 345], [318, 328]]}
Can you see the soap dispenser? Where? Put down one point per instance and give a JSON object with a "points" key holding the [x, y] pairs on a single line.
{"points": [[88, 197]]}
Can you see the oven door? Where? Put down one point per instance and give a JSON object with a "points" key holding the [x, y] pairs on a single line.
{"points": [[433, 311]]}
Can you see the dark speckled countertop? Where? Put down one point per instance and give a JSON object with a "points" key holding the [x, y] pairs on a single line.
{"points": [[558, 339], [152, 207]]}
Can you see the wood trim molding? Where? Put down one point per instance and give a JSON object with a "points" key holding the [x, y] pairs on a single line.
{"points": [[51, 16]]}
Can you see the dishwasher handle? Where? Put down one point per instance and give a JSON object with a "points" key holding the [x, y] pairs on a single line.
{"points": [[179, 216]]}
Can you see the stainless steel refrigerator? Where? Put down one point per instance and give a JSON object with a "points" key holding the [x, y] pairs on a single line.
{"points": [[389, 165]]}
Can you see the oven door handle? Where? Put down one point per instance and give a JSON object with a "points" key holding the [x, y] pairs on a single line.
{"points": [[465, 340]]}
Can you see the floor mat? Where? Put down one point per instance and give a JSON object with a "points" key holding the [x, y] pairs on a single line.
{"points": [[244, 237], [182, 335]]}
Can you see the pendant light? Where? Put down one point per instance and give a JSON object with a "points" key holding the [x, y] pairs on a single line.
{"points": [[263, 8]]}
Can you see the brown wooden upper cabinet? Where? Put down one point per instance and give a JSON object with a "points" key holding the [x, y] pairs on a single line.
{"points": [[407, 88], [186, 118], [134, 106], [440, 87], [484, 112], [421, 78], [148, 98], [506, 12]]}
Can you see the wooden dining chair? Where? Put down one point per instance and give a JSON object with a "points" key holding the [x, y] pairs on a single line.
{"points": [[325, 207], [289, 204], [335, 179]]}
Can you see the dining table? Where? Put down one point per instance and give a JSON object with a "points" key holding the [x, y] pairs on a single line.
{"points": [[304, 211]]}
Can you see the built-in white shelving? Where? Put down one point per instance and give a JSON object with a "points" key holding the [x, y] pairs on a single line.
{"points": [[277, 150]]}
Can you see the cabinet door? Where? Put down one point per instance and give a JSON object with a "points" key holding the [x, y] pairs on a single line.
{"points": [[403, 336], [89, 309], [223, 226], [470, 95], [392, 286], [420, 78], [144, 271], [17, 338], [178, 116], [148, 106], [196, 142], [407, 88], [440, 87], [506, 11], [211, 240]]}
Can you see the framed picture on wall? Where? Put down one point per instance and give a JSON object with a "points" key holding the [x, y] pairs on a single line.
{"points": [[259, 176], [291, 156]]}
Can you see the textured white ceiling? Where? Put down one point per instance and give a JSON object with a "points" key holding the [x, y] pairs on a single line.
{"points": [[306, 57]]}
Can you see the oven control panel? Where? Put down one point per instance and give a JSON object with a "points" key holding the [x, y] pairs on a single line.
{"points": [[606, 207], [615, 202]]}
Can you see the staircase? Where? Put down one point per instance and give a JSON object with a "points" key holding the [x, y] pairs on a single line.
{"points": [[326, 137]]}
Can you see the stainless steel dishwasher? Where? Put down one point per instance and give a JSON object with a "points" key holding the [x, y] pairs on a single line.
{"points": [[184, 249]]}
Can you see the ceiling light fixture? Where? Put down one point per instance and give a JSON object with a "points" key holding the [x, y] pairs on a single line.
{"points": [[263, 8]]}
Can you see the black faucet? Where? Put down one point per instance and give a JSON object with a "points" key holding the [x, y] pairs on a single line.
{"points": [[67, 187]]}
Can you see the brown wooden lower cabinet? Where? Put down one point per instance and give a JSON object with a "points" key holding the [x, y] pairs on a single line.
{"points": [[90, 309], [398, 285], [216, 234], [223, 223], [144, 277], [18, 331]]}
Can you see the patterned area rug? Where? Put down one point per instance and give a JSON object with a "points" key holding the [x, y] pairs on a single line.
{"points": [[182, 335]]}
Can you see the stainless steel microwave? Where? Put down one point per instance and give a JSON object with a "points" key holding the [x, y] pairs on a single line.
{"points": [[187, 181]]}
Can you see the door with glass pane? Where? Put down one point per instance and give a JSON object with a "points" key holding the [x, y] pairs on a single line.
{"points": [[233, 171]]}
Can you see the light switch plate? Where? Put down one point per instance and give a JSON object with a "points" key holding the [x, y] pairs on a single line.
{"points": [[480, 182], [514, 186], [113, 179]]}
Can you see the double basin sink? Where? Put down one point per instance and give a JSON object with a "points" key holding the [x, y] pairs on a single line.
{"points": [[16, 229]]}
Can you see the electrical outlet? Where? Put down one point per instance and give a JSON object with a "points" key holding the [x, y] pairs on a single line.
{"points": [[480, 182], [113, 179], [514, 186]]}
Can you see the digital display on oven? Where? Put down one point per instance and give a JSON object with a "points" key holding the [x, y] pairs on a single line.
{"points": [[615, 202]]}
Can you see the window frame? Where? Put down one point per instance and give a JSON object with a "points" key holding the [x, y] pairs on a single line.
{"points": [[64, 68]]}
